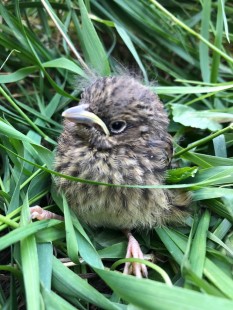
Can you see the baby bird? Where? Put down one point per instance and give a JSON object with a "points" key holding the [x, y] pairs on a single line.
{"points": [[118, 135]]}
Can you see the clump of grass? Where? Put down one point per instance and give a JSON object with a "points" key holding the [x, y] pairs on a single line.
{"points": [[185, 48]]}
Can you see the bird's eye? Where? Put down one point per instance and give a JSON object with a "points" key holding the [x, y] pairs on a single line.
{"points": [[117, 126]]}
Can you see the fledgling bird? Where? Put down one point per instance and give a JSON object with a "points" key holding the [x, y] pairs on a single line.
{"points": [[118, 134]]}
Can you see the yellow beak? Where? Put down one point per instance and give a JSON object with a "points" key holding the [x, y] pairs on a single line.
{"points": [[80, 115]]}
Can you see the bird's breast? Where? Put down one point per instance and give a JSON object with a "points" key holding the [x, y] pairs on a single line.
{"points": [[112, 206]]}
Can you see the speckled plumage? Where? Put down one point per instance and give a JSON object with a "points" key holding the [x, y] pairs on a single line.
{"points": [[140, 154]]}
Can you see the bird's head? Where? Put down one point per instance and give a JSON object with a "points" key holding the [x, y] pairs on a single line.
{"points": [[116, 111]]}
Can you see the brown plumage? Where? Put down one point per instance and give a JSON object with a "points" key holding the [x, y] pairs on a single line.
{"points": [[138, 150]]}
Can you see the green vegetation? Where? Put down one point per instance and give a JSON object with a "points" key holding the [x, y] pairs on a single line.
{"points": [[182, 46]]}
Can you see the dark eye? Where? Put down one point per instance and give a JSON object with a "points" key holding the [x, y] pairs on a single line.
{"points": [[117, 126]]}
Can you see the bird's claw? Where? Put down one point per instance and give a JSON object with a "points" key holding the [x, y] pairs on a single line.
{"points": [[134, 251], [40, 214]]}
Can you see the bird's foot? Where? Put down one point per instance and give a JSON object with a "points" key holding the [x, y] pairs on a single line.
{"points": [[40, 214], [134, 251]]}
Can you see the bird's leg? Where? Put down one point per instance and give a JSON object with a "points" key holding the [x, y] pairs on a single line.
{"points": [[40, 214], [134, 251]]}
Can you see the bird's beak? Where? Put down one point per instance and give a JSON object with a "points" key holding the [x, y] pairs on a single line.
{"points": [[80, 115]]}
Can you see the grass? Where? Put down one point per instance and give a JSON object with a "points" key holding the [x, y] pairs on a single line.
{"points": [[185, 48]]}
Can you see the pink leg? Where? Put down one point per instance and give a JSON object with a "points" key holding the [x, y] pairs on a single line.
{"points": [[134, 251], [40, 214]]}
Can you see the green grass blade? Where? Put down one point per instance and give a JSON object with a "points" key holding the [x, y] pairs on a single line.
{"points": [[94, 48], [65, 281], [72, 245], [86, 248], [198, 248], [203, 48], [172, 248], [217, 43], [126, 38], [29, 260], [23, 232], [45, 255], [159, 296], [218, 278], [54, 301]]}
